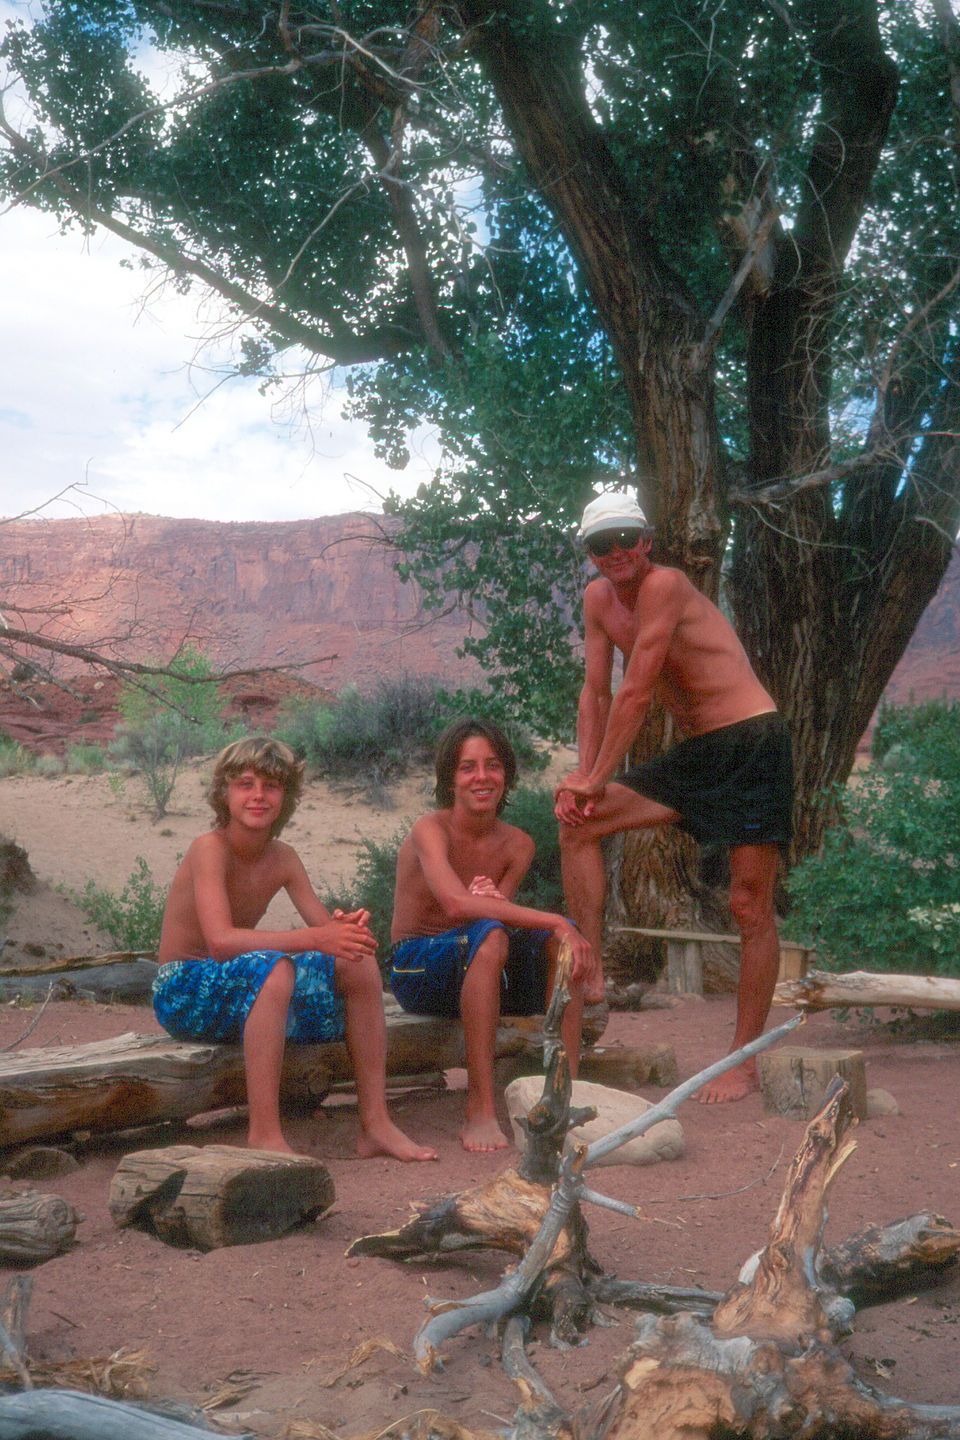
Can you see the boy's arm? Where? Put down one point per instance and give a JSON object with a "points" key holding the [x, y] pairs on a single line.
{"points": [[224, 939], [338, 927], [461, 905]]}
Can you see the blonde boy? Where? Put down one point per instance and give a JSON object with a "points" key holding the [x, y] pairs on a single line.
{"points": [[223, 980]]}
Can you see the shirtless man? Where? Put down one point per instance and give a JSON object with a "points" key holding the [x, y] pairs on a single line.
{"points": [[223, 980], [461, 946], [730, 779]]}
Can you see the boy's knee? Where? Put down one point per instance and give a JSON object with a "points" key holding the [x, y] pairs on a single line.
{"points": [[281, 980], [494, 945], [354, 976]]}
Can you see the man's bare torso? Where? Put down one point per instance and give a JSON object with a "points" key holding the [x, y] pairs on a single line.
{"points": [[705, 680]]}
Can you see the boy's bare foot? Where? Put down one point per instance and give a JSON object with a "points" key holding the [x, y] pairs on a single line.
{"points": [[483, 1136], [387, 1139], [734, 1085], [275, 1144]]}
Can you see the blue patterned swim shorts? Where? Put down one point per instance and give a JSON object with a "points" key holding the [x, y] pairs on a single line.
{"points": [[427, 971], [211, 999]]}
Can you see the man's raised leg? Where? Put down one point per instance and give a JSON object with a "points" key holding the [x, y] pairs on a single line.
{"points": [[582, 867], [359, 983], [753, 874]]}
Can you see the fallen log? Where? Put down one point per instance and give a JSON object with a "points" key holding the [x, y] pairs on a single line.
{"points": [[822, 990], [218, 1195], [120, 982], [135, 1079], [79, 962]]}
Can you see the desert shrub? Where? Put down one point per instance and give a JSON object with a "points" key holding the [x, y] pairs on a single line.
{"points": [[15, 759], [84, 759], [133, 918], [930, 725], [165, 723], [375, 734], [381, 733], [49, 766], [881, 894]]}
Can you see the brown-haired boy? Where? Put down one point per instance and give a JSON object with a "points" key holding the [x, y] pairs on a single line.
{"points": [[222, 980], [460, 944]]}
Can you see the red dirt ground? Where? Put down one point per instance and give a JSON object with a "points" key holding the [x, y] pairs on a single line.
{"points": [[278, 1322]]}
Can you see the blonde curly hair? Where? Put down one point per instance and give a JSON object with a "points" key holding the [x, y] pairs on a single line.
{"points": [[269, 758]]}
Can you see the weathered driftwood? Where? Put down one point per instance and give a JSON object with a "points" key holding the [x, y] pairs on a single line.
{"points": [[73, 1415], [821, 990], [765, 1366], [135, 1079], [218, 1195], [883, 1261], [875, 1265], [35, 1227], [13, 1328], [509, 1211]]}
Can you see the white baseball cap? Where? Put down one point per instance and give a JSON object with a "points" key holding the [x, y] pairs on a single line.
{"points": [[612, 511]]}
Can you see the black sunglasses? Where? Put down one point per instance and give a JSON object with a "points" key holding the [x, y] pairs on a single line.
{"points": [[602, 544]]}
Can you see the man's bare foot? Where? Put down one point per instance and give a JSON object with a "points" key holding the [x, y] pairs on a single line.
{"points": [[734, 1085], [386, 1139], [483, 1136]]}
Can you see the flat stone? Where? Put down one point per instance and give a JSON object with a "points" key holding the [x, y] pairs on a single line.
{"points": [[881, 1102], [664, 1141]]}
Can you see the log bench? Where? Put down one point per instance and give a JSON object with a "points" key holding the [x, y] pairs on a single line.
{"points": [[683, 972], [132, 1079]]}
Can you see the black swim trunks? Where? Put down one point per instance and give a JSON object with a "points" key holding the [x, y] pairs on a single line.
{"points": [[733, 785]]}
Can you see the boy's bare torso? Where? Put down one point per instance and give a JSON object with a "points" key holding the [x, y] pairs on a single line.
{"points": [[705, 680], [250, 886], [417, 910]]}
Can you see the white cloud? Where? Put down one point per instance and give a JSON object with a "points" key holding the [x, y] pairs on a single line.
{"points": [[98, 391]]}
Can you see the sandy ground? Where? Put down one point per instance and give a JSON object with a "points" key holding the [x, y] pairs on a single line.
{"points": [[274, 1329]]}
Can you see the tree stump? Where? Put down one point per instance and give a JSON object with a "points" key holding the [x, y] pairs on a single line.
{"points": [[219, 1194], [794, 1079], [35, 1227]]}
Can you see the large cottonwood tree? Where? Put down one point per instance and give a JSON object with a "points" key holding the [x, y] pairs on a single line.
{"points": [[714, 243]]}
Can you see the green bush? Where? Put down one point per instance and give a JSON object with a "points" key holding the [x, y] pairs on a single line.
{"points": [[531, 808], [133, 918], [372, 888], [880, 896]]}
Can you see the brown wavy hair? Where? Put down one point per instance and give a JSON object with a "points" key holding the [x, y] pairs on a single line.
{"points": [[269, 758], [450, 744]]}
